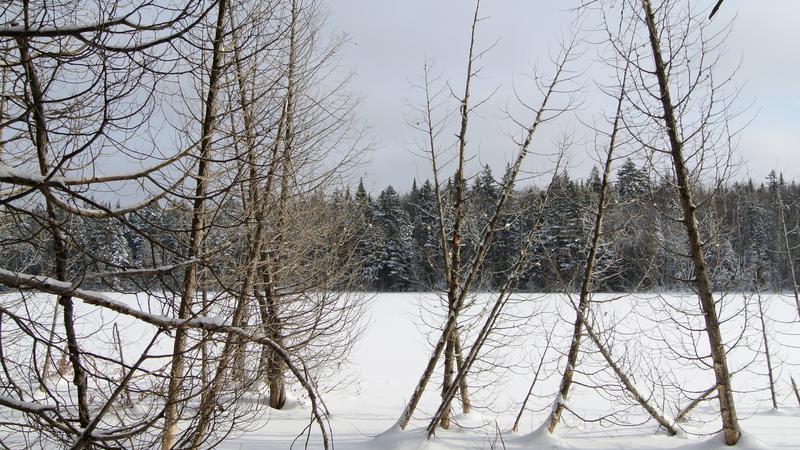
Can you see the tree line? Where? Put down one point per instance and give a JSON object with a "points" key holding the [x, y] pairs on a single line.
{"points": [[394, 236], [643, 249]]}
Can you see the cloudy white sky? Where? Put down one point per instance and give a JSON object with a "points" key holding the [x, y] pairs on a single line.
{"points": [[390, 40]]}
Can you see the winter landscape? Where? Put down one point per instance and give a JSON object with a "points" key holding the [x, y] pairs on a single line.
{"points": [[273, 224]]}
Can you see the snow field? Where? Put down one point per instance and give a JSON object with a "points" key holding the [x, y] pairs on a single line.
{"points": [[648, 334]]}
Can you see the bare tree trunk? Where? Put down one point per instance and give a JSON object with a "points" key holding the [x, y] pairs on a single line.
{"points": [[588, 272], [196, 238], [453, 266], [449, 362], [255, 210], [466, 406], [796, 392], [59, 244], [685, 411], [264, 355], [275, 369], [240, 349], [266, 300], [515, 427], [274, 366], [730, 423], [770, 373], [205, 354], [454, 282]]}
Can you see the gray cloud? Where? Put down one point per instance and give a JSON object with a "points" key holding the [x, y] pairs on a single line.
{"points": [[390, 40]]}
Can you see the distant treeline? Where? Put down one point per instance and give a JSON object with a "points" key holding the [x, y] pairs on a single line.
{"points": [[397, 236]]}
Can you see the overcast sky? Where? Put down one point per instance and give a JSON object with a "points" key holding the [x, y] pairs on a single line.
{"points": [[390, 40]]}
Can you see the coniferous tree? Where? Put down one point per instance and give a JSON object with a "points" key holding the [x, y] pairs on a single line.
{"points": [[393, 261], [482, 198], [632, 181], [426, 250], [593, 182], [369, 243], [563, 234]]}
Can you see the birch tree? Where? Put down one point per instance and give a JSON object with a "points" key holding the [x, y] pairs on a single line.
{"points": [[683, 122], [462, 275], [98, 82]]}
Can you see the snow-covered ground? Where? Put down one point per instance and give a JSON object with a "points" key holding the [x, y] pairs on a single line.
{"points": [[389, 359], [649, 331]]}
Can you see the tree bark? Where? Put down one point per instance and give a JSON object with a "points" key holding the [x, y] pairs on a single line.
{"points": [[466, 406], [588, 272], [196, 238], [53, 222], [770, 373], [449, 360], [730, 423], [273, 368]]}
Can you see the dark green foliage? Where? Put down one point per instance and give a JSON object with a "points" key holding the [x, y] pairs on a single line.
{"points": [[396, 237], [393, 261]]}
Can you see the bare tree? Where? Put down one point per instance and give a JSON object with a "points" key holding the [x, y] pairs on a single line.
{"points": [[765, 343], [72, 107], [462, 275], [90, 91], [304, 269], [616, 139], [684, 129], [294, 259], [451, 250], [197, 231]]}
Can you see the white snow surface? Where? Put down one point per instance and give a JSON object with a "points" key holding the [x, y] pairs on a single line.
{"points": [[369, 393], [391, 356]]}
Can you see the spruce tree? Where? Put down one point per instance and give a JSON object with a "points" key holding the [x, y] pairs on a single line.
{"points": [[393, 264]]}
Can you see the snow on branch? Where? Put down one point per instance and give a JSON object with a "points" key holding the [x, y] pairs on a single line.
{"points": [[15, 30], [213, 324], [57, 287], [28, 407]]}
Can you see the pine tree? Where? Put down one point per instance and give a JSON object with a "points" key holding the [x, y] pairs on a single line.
{"points": [[632, 182], [482, 200], [393, 262], [362, 197], [369, 246], [563, 234], [593, 182], [427, 250]]}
